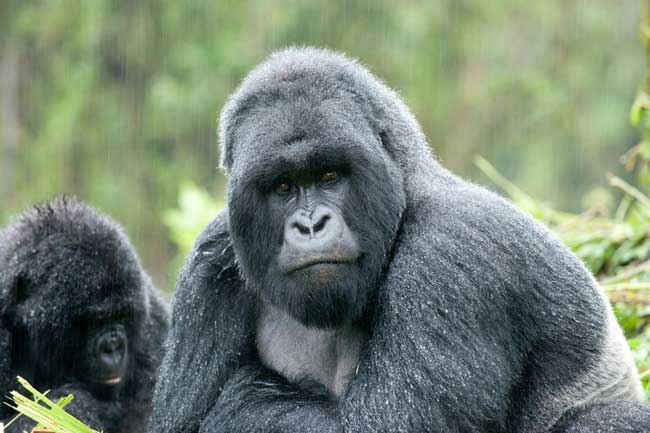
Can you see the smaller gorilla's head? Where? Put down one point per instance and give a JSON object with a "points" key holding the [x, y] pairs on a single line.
{"points": [[74, 298], [314, 198]]}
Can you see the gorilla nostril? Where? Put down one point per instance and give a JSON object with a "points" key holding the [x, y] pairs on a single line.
{"points": [[321, 224], [301, 228]]}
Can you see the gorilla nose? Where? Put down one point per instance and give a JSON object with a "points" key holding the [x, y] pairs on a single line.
{"points": [[111, 348], [320, 226], [315, 238]]}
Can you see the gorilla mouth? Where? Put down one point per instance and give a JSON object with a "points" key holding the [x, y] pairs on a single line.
{"points": [[113, 380], [304, 263]]}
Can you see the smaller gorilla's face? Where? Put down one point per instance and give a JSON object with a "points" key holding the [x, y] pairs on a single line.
{"points": [[314, 209], [93, 350], [74, 319], [103, 362]]}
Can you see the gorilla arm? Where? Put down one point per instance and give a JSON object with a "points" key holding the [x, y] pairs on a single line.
{"points": [[257, 400], [211, 336]]}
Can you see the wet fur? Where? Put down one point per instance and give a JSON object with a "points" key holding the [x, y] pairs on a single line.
{"points": [[64, 265], [478, 319]]}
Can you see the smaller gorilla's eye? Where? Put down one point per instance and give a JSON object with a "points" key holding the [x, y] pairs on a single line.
{"points": [[330, 176], [283, 187]]}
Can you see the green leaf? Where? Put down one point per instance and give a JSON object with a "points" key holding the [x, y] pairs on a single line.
{"points": [[48, 414]]}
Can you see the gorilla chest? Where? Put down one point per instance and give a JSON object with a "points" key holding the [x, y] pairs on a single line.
{"points": [[327, 356]]}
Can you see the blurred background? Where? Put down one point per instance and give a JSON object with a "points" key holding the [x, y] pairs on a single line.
{"points": [[117, 101]]}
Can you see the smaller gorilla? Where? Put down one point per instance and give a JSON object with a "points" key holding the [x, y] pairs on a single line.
{"points": [[78, 315]]}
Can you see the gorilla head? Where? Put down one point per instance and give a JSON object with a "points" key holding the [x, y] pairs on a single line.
{"points": [[321, 192], [77, 306]]}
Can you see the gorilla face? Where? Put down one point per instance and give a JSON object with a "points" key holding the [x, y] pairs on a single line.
{"points": [[317, 244], [311, 226], [104, 360]]}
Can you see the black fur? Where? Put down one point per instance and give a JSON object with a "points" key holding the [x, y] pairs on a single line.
{"points": [[612, 417], [64, 268], [479, 320]]}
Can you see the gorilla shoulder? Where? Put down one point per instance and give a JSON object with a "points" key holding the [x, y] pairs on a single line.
{"points": [[213, 255]]}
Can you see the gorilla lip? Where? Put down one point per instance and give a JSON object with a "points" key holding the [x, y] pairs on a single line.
{"points": [[312, 261], [115, 380]]}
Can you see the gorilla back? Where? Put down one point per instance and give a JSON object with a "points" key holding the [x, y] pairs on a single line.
{"points": [[79, 315], [355, 285]]}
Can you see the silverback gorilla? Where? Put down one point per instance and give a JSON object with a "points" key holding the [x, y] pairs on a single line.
{"points": [[78, 315], [355, 285]]}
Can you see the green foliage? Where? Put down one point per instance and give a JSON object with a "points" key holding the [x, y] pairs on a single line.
{"points": [[195, 210], [48, 414], [635, 321]]}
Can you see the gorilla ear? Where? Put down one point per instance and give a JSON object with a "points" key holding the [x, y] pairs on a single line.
{"points": [[383, 138], [20, 289], [13, 290], [388, 142], [225, 159], [227, 119]]}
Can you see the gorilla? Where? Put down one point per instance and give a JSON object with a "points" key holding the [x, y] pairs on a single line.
{"points": [[355, 285], [78, 315]]}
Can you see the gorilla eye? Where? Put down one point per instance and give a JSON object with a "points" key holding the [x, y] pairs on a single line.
{"points": [[283, 187], [330, 176]]}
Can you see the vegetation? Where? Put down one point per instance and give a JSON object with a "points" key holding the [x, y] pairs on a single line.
{"points": [[50, 416]]}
